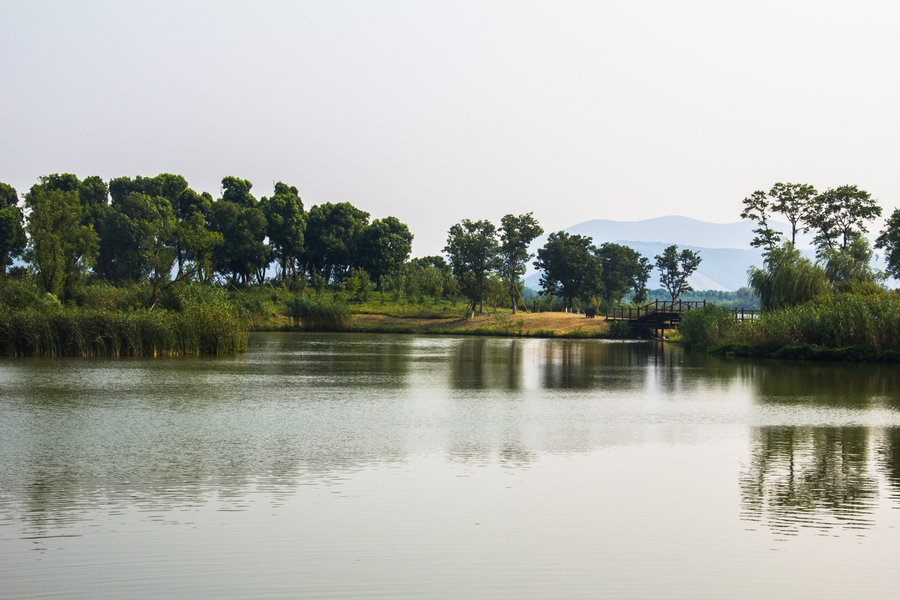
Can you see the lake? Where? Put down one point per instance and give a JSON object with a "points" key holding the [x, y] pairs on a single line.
{"points": [[386, 466]]}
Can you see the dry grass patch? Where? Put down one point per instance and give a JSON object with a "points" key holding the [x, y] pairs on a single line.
{"points": [[500, 323]]}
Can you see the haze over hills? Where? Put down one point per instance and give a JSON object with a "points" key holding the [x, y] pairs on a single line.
{"points": [[683, 231], [724, 247]]}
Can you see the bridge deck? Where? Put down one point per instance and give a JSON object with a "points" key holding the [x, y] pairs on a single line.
{"points": [[666, 312]]}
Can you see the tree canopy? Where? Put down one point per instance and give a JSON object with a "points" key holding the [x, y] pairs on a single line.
{"points": [[569, 267], [787, 279], [60, 247], [889, 241], [384, 245], [12, 229], [676, 268], [472, 250], [516, 234]]}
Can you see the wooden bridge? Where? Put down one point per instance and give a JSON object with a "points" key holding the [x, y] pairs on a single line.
{"points": [[658, 316]]}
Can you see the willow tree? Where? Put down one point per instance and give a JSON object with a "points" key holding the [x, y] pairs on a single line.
{"points": [[787, 279]]}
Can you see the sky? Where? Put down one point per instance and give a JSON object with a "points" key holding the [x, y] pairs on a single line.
{"points": [[435, 112]]}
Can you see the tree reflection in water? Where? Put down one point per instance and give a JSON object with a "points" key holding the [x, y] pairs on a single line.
{"points": [[818, 477]]}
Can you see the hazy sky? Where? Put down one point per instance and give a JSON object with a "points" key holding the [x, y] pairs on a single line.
{"points": [[439, 111]]}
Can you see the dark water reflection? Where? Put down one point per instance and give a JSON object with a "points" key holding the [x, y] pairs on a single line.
{"points": [[810, 477], [156, 437]]}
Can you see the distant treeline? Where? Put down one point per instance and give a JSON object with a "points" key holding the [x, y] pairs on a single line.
{"points": [[158, 232]]}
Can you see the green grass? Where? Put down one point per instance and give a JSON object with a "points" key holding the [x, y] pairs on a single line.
{"points": [[89, 332]]}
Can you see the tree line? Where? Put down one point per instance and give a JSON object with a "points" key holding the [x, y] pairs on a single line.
{"points": [[571, 266], [158, 231], [839, 219]]}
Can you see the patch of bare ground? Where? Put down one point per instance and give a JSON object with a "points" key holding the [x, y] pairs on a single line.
{"points": [[499, 323]]}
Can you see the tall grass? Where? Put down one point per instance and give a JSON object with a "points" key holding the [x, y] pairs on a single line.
{"points": [[706, 325], [91, 332], [833, 322], [317, 314], [868, 323]]}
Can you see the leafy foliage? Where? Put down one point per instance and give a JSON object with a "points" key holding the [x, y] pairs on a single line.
{"points": [[472, 249], [788, 279], [12, 230], [60, 247], [839, 216], [516, 234], [384, 245], [570, 267], [675, 268], [889, 241]]}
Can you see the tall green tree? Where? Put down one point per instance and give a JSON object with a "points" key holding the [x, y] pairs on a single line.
{"points": [[758, 208], [792, 200], [889, 241], [840, 214], [850, 266], [61, 248], [472, 252], [516, 234], [384, 245], [12, 229], [243, 253], [621, 269], [93, 194], [196, 241], [285, 227], [676, 268], [237, 217], [639, 279], [569, 268], [139, 243], [332, 238]]}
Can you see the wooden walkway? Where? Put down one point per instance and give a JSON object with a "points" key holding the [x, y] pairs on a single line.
{"points": [[664, 314]]}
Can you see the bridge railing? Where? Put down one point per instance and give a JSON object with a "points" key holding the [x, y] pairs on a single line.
{"points": [[634, 313], [667, 307]]}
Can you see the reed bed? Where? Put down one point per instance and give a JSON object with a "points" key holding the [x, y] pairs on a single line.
{"points": [[317, 314], [841, 327], [91, 332]]}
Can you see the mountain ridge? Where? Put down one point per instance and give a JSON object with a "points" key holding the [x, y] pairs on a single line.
{"points": [[724, 248]]}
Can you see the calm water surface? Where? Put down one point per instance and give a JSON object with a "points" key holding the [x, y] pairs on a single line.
{"points": [[355, 466]]}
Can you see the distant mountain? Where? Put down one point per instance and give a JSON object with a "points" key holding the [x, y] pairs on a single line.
{"points": [[683, 231], [723, 247]]}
